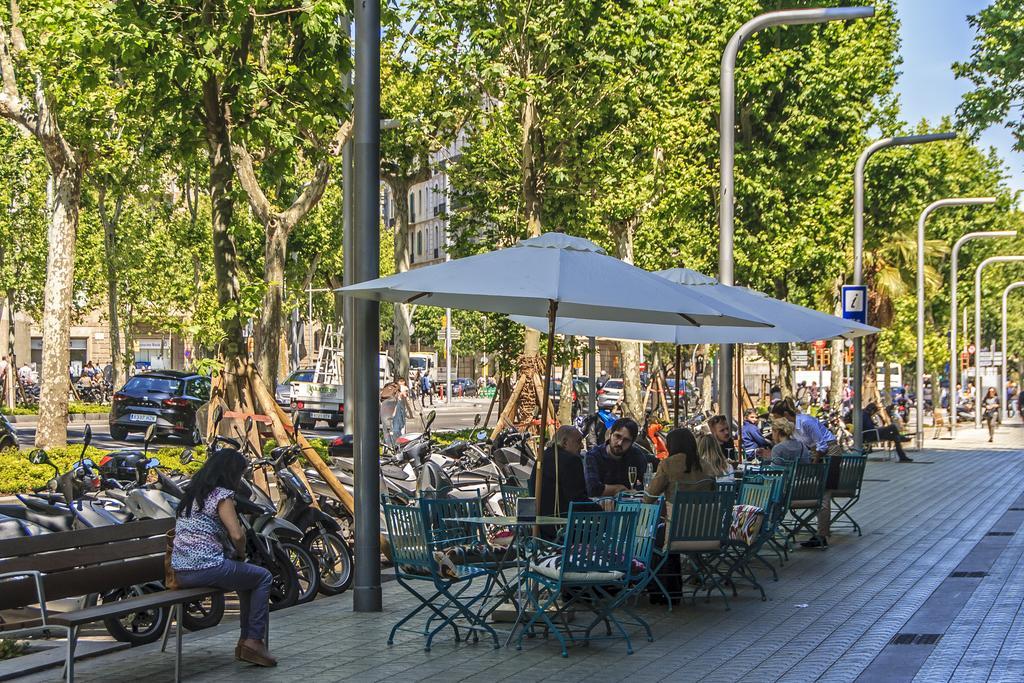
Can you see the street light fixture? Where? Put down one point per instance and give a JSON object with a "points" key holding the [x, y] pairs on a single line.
{"points": [[954, 318], [727, 148], [1003, 400], [977, 328], [858, 260], [919, 403]]}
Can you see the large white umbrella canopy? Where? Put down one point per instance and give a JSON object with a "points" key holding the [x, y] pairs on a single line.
{"points": [[791, 323], [574, 273]]}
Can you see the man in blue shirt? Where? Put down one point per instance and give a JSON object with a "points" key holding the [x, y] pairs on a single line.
{"points": [[607, 465], [754, 443]]}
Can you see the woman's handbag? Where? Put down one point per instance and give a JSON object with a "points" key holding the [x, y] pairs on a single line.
{"points": [[170, 577]]}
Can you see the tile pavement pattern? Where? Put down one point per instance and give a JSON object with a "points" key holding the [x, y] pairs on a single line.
{"points": [[831, 613]]}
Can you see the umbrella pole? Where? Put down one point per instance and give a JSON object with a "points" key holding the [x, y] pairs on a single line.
{"points": [[679, 380], [552, 313]]}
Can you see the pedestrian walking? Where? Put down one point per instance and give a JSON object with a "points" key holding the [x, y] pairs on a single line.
{"points": [[990, 404], [425, 390]]}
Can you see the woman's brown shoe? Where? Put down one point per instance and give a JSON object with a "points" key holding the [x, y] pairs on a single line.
{"points": [[258, 657]]}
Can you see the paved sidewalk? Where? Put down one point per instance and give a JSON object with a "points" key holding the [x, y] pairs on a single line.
{"points": [[828, 618]]}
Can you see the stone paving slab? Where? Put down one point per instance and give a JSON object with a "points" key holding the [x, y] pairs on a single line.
{"points": [[827, 618]]}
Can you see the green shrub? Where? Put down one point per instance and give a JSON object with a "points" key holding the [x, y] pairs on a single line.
{"points": [[74, 408], [9, 649]]}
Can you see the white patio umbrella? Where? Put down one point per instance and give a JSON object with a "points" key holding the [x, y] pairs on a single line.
{"points": [[790, 323], [550, 275]]}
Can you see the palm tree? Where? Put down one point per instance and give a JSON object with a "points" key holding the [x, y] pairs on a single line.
{"points": [[890, 273]]}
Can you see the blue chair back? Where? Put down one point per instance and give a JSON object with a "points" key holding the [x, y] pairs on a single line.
{"points": [[851, 475], [407, 536], [510, 496], [442, 531], [760, 491], [648, 517], [700, 516], [599, 542], [808, 481]]}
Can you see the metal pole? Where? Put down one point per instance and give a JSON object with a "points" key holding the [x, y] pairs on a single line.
{"points": [[592, 380], [858, 262], [919, 381], [727, 150], [366, 596], [977, 328], [448, 356], [1003, 400], [954, 352], [348, 256]]}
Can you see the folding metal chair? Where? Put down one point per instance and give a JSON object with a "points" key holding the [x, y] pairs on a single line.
{"points": [[414, 562], [648, 520], [805, 498], [851, 478], [510, 496], [697, 530], [591, 570], [779, 541], [762, 493]]}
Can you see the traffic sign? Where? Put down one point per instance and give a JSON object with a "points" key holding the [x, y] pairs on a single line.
{"points": [[971, 349], [990, 358], [800, 359], [854, 299], [455, 334]]}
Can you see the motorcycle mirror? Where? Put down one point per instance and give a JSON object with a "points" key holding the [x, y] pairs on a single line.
{"points": [[218, 415], [476, 420], [86, 440], [186, 456], [249, 423], [38, 457], [430, 420]]}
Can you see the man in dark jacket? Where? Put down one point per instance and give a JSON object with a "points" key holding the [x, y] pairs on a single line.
{"points": [[607, 465], [565, 484]]}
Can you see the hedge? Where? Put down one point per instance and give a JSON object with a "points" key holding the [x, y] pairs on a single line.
{"points": [[74, 408], [18, 475]]}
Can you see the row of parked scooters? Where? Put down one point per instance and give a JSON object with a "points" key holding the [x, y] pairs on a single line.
{"points": [[302, 546]]}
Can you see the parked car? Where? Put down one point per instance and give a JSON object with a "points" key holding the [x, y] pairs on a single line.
{"points": [[611, 393], [283, 392], [463, 386], [167, 398]]}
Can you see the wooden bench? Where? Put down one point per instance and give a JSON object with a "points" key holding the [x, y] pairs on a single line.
{"points": [[75, 563]]}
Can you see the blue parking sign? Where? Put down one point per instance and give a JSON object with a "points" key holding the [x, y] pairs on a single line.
{"points": [[855, 303]]}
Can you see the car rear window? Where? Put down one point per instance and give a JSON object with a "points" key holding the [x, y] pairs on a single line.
{"points": [[156, 385], [613, 384]]}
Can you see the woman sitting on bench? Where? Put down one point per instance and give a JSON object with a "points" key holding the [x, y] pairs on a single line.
{"points": [[206, 520]]}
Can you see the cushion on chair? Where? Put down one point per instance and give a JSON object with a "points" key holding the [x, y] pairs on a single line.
{"points": [[693, 546], [805, 503], [549, 567], [746, 523]]}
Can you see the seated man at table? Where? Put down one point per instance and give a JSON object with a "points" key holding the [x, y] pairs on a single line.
{"points": [[571, 485], [719, 426], [754, 443], [607, 465]]}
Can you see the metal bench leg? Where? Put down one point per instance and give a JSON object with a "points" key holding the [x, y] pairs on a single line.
{"points": [[69, 663], [167, 631], [178, 610]]}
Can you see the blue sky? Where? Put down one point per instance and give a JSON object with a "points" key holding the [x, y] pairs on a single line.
{"points": [[935, 33]]}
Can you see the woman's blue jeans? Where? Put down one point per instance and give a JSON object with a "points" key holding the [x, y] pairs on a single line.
{"points": [[252, 584]]}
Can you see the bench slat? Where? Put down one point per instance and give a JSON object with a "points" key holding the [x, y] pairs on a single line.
{"points": [[122, 607], [62, 560], [95, 579], [79, 538]]}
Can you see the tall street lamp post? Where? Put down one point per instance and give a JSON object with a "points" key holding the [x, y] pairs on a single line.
{"points": [[919, 402], [727, 149], [858, 261], [954, 318], [1003, 400], [365, 333], [977, 328]]}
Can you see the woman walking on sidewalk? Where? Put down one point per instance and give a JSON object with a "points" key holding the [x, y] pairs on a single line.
{"points": [[990, 404], [206, 532]]}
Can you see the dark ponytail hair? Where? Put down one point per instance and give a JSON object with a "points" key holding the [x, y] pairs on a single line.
{"points": [[682, 440], [223, 468]]}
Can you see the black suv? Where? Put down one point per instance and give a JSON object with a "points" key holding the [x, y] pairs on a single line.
{"points": [[167, 398]]}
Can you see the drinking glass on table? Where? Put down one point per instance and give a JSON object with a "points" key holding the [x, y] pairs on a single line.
{"points": [[632, 477]]}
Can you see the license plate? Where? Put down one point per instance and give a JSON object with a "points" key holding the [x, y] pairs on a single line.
{"points": [[141, 417], [321, 416]]}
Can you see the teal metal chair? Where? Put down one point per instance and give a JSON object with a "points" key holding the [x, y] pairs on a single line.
{"points": [[447, 596], [697, 531], [510, 496], [762, 493], [805, 498], [647, 523], [847, 490], [779, 543], [590, 570]]}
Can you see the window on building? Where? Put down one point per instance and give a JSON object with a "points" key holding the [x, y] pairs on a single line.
{"points": [[78, 348], [412, 207], [419, 243]]}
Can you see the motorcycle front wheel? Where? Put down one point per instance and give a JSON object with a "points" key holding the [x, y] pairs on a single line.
{"points": [[334, 558], [137, 628], [306, 570], [284, 590]]}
